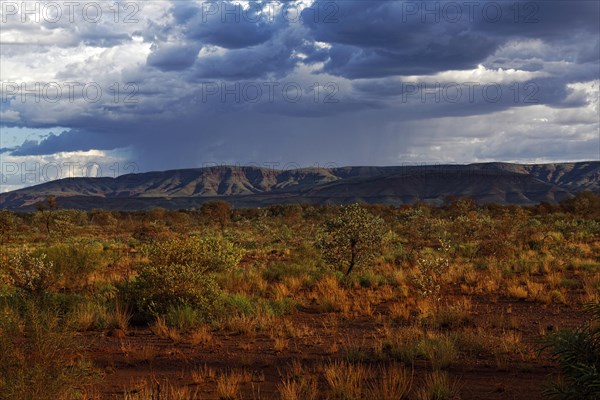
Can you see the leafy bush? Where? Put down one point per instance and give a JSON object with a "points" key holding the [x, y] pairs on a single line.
{"points": [[75, 260], [179, 275], [160, 287], [352, 239], [216, 211], [578, 355], [431, 267], [203, 254], [150, 232], [30, 273]]}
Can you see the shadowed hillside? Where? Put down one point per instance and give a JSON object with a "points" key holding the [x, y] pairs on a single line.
{"points": [[500, 183]]}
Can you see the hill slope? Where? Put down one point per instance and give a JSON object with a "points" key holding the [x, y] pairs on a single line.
{"points": [[501, 183]]}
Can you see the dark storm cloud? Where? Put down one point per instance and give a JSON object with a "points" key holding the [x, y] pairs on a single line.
{"points": [[258, 42], [173, 57], [451, 53], [230, 32], [442, 99], [369, 51], [270, 58], [75, 140], [383, 38]]}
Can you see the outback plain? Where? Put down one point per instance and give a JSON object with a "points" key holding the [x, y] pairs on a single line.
{"points": [[460, 301]]}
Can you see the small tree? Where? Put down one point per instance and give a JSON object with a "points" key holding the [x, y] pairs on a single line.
{"points": [[46, 210], [585, 204], [217, 211], [352, 239]]}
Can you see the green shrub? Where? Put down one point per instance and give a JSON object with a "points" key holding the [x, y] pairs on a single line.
{"points": [[30, 273], [431, 266], [75, 260], [217, 212], [577, 353], [203, 254], [179, 276], [150, 232], [160, 287]]}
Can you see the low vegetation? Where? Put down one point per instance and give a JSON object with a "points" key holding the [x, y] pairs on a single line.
{"points": [[301, 302]]}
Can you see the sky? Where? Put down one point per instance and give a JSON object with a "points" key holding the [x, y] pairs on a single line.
{"points": [[102, 88]]}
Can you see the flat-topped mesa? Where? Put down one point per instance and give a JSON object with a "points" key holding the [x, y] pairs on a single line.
{"points": [[501, 183]]}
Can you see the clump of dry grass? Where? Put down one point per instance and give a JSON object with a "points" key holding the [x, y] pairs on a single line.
{"points": [[400, 344], [438, 349], [287, 328], [201, 336], [361, 305], [228, 386], [400, 311], [120, 316], [438, 385], [203, 374], [346, 380], [280, 291], [356, 349], [146, 353], [511, 343], [554, 279], [241, 324], [474, 342], [330, 296], [302, 388], [164, 390], [229, 382], [538, 292], [164, 331], [280, 344], [449, 316], [517, 291], [87, 316], [392, 382]]}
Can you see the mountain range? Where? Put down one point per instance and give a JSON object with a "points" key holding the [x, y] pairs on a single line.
{"points": [[502, 183]]}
